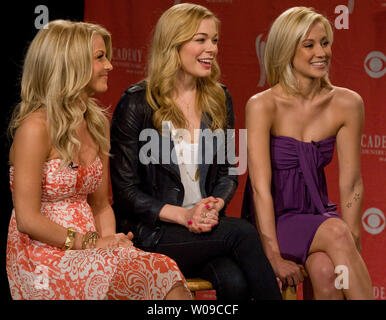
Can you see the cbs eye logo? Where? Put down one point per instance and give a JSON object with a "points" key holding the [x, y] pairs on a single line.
{"points": [[375, 64], [373, 220]]}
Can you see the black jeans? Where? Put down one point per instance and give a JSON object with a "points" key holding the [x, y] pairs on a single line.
{"points": [[230, 256]]}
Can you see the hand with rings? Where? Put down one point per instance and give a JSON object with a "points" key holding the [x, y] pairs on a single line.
{"points": [[213, 203], [203, 217]]}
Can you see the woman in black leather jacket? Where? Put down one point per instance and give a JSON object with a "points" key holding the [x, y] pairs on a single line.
{"points": [[172, 205]]}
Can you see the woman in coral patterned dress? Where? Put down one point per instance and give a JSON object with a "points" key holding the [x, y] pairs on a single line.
{"points": [[62, 242]]}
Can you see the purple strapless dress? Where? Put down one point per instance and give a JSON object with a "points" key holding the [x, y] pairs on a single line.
{"points": [[299, 193]]}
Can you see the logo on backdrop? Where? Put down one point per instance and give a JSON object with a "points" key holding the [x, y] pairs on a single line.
{"points": [[132, 59], [373, 220], [374, 144], [375, 64], [260, 46]]}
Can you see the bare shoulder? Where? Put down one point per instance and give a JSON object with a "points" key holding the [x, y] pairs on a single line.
{"points": [[262, 102], [349, 108], [32, 134], [348, 100], [35, 124]]}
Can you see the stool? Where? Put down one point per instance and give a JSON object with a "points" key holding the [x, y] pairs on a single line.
{"points": [[289, 293], [198, 284]]}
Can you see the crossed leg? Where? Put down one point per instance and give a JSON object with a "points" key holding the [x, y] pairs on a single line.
{"points": [[334, 238], [321, 282]]}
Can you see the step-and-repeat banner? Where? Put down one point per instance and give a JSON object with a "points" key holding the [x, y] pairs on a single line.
{"points": [[358, 63]]}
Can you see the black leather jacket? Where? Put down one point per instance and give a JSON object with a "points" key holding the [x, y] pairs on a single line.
{"points": [[141, 190]]}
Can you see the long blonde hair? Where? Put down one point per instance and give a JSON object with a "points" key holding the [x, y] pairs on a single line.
{"points": [[56, 71], [176, 26], [285, 34]]}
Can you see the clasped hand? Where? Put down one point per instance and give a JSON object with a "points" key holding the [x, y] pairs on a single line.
{"points": [[203, 217], [115, 240]]}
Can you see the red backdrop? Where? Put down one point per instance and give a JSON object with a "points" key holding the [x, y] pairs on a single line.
{"points": [[358, 63]]}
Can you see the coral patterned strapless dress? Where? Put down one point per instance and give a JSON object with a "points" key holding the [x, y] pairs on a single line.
{"points": [[37, 270]]}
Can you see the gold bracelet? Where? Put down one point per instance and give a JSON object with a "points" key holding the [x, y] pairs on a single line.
{"points": [[70, 239], [93, 239], [89, 240], [93, 236]]}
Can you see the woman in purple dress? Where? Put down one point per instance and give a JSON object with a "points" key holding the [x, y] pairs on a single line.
{"points": [[292, 130]]}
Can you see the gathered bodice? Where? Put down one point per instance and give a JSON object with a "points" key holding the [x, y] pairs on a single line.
{"points": [[69, 182], [65, 190], [298, 179]]}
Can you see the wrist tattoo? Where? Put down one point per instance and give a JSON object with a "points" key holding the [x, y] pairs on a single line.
{"points": [[356, 198]]}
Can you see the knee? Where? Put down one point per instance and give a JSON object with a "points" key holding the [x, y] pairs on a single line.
{"points": [[340, 235], [244, 228], [323, 284], [322, 275], [233, 287], [227, 278], [165, 261]]}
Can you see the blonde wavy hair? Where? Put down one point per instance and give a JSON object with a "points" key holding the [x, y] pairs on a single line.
{"points": [[57, 68], [176, 26], [283, 38]]}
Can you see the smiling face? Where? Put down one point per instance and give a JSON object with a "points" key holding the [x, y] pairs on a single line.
{"points": [[198, 54], [101, 67], [313, 54]]}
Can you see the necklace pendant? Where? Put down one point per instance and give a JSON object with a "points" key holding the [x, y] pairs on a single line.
{"points": [[196, 175]]}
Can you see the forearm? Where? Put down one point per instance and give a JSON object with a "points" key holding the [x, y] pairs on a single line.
{"points": [[105, 221], [227, 173], [265, 220], [42, 229], [351, 198], [174, 214], [127, 185]]}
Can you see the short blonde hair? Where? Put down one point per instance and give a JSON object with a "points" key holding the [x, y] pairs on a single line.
{"points": [[57, 68], [176, 26], [284, 36]]}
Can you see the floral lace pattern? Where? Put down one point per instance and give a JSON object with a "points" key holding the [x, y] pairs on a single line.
{"points": [[37, 270]]}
